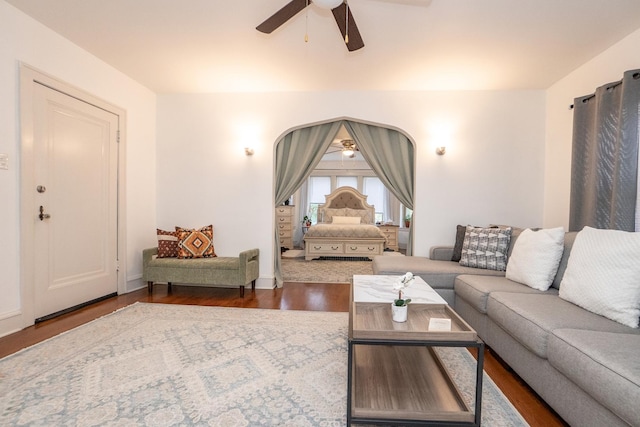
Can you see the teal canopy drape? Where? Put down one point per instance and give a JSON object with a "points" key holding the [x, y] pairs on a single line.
{"points": [[297, 154], [391, 156]]}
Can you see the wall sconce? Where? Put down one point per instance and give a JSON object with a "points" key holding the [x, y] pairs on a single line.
{"points": [[441, 150], [248, 151]]}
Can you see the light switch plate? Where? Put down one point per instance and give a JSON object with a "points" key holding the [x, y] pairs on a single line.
{"points": [[4, 161]]}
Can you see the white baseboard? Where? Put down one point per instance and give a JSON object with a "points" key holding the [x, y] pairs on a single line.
{"points": [[11, 322]]}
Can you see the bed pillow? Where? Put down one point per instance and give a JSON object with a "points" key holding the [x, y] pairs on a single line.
{"points": [[603, 274], [346, 220], [328, 213], [365, 214], [485, 248], [167, 244], [195, 243], [535, 257]]}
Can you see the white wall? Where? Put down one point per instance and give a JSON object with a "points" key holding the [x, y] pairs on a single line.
{"points": [[492, 172], [24, 40], [606, 67]]}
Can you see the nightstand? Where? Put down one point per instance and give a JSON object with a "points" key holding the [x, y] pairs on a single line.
{"points": [[391, 233]]}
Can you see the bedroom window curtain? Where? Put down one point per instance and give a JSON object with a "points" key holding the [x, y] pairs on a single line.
{"points": [[297, 154], [604, 160], [391, 156]]}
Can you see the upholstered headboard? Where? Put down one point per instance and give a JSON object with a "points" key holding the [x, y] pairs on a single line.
{"points": [[346, 201]]}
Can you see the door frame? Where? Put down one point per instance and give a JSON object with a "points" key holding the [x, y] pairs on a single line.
{"points": [[30, 76]]}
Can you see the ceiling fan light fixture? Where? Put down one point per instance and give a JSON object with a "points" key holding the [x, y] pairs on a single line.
{"points": [[348, 147], [327, 4]]}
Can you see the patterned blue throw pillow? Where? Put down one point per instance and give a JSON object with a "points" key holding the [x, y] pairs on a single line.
{"points": [[486, 248]]}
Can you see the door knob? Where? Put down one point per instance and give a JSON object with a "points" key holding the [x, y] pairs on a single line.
{"points": [[43, 215]]}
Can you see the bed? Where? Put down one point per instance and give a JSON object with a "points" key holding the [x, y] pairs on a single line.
{"points": [[346, 228]]}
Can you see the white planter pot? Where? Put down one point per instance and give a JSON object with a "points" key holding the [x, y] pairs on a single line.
{"points": [[399, 314]]}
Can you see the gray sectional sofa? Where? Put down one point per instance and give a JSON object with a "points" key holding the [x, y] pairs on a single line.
{"points": [[585, 366]]}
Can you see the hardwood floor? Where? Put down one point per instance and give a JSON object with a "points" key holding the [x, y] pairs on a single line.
{"points": [[293, 296]]}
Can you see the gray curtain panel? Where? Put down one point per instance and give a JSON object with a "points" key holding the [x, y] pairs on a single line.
{"points": [[391, 156], [604, 168], [297, 154]]}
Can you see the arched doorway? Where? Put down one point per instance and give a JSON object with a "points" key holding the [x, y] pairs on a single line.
{"points": [[388, 150]]}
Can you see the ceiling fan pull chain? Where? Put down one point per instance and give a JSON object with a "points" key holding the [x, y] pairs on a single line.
{"points": [[306, 23], [346, 32]]}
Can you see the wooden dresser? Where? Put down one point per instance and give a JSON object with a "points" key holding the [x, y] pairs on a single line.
{"points": [[391, 232], [284, 224]]}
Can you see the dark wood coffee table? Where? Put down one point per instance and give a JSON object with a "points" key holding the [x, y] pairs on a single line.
{"points": [[394, 375]]}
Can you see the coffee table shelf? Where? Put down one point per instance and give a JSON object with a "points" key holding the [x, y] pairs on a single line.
{"points": [[395, 376], [404, 383]]}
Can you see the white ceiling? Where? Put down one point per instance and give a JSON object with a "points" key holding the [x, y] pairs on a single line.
{"points": [[212, 45]]}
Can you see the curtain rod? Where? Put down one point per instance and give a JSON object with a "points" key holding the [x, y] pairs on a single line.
{"points": [[610, 87]]}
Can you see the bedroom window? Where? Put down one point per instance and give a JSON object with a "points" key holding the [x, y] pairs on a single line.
{"points": [[388, 208], [347, 181], [375, 191], [319, 187]]}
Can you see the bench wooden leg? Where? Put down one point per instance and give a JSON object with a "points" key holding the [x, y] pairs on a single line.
{"points": [[253, 285], [242, 291], [150, 286], [169, 287]]}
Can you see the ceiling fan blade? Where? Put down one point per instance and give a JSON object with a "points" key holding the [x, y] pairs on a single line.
{"points": [[355, 39], [287, 12]]}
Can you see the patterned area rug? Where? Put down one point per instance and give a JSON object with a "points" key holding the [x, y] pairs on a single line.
{"points": [[174, 365], [323, 271]]}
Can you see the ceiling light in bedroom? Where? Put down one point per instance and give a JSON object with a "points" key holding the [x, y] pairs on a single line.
{"points": [[348, 147]]}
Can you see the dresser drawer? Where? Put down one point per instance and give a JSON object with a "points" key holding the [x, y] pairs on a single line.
{"points": [[283, 220], [391, 237], [285, 233], [287, 242]]}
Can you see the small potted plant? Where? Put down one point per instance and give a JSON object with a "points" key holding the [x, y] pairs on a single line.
{"points": [[307, 221], [407, 220], [400, 304]]}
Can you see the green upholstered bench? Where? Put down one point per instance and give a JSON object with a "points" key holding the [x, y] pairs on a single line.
{"points": [[216, 271]]}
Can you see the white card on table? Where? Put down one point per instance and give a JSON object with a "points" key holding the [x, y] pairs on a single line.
{"points": [[436, 324]]}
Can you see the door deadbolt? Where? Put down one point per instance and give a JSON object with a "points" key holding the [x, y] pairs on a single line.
{"points": [[41, 188], [43, 215]]}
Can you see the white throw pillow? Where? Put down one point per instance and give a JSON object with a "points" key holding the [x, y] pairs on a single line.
{"points": [[535, 257], [346, 220], [603, 274]]}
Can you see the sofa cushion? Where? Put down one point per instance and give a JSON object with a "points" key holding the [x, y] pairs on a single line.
{"points": [[167, 244], [604, 364], [475, 289], [220, 263], [535, 257], [530, 318], [486, 248], [438, 274], [457, 247], [569, 238], [194, 243], [603, 274]]}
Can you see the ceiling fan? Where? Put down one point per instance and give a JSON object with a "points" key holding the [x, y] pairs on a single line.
{"points": [[346, 146], [341, 13]]}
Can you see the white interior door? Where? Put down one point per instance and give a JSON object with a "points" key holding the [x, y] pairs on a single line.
{"points": [[76, 177]]}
